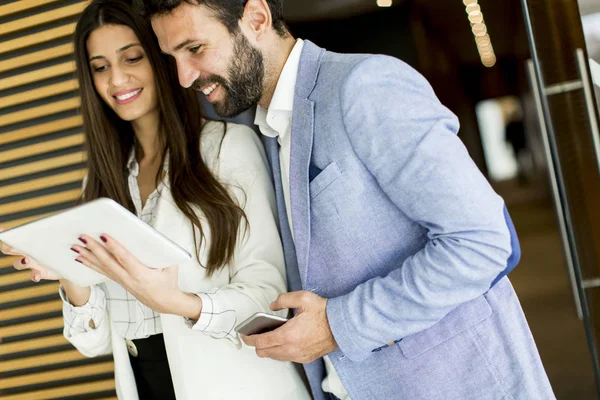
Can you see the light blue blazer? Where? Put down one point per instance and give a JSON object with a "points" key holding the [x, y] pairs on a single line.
{"points": [[396, 226]]}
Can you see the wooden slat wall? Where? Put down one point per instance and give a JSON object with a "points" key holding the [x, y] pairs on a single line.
{"points": [[41, 168]]}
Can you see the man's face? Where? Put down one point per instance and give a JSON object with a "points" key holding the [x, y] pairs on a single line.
{"points": [[226, 67]]}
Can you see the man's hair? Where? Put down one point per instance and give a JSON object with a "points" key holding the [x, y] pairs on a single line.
{"points": [[229, 12]]}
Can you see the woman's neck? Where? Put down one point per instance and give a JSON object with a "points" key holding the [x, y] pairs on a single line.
{"points": [[146, 131]]}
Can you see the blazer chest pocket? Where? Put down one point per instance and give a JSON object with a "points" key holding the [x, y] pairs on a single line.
{"points": [[323, 179], [455, 322]]}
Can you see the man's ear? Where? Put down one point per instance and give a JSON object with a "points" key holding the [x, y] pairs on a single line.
{"points": [[257, 18]]}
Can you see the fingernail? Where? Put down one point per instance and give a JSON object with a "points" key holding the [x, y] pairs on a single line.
{"points": [[75, 250], [24, 261], [82, 240], [79, 261], [36, 278], [104, 239]]}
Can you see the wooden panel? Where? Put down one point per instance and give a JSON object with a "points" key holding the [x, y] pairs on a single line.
{"points": [[40, 93], [41, 148], [36, 57], [43, 165], [42, 129], [18, 222], [32, 344], [57, 375], [28, 311], [31, 327], [41, 183], [27, 293], [23, 5], [37, 75], [11, 279], [38, 361], [42, 18], [41, 201], [72, 390], [40, 111], [6, 261], [37, 38]]}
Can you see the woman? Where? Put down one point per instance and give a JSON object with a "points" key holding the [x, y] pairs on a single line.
{"points": [[202, 184]]}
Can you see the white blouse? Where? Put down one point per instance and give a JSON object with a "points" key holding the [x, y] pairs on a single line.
{"points": [[131, 318]]}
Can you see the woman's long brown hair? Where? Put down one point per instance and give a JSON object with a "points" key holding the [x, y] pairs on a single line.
{"points": [[109, 139]]}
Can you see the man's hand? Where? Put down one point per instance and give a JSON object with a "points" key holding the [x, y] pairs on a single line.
{"points": [[156, 288], [303, 338]]}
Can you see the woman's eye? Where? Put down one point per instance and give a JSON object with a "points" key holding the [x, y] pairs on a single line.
{"points": [[100, 68], [134, 60], [195, 49]]}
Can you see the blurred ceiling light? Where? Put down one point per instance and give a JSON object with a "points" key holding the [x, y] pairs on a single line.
{"points": [[473, 9], [384, 3], [489, 63], [479, 29], [476, 18], [481, 40]]}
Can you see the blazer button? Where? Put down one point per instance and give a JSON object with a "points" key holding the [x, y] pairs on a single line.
{"points": [[131, 348]]}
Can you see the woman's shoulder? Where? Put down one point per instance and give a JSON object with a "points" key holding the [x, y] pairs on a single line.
{"points": [[229, 140]]}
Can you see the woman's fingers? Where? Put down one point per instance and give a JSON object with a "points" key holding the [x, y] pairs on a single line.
{"points": [[38, 271], [86, 255], [9, 251]]}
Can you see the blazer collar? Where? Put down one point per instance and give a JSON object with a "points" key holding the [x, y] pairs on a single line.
{"points": [[301, 151]]}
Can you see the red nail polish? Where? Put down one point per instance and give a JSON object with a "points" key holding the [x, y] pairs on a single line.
{"points": [[75, 250], [24, 261], [104, 239], [82, 240]]}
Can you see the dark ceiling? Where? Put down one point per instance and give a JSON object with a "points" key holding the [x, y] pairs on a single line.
{"points": [[444, 18]]}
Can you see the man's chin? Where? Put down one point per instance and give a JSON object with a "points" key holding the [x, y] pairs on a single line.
{"points": [[224, 111]]}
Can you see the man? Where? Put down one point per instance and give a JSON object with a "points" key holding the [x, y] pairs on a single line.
{"points": [[388, 227]]}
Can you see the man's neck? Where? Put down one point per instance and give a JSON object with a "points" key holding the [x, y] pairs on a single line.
{"points": [[274, 65]]}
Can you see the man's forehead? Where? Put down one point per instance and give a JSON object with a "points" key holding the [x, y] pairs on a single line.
{"points": [[170, 28], [181, 24]]}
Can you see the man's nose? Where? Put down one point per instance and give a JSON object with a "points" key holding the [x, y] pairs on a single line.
{"points": [[186, 73]]}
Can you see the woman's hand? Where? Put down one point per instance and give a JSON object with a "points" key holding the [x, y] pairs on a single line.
{"points": [[156, 288], [24, 262]]}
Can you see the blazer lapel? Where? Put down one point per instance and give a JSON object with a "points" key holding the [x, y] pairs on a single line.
{"points": [[301, 151]]}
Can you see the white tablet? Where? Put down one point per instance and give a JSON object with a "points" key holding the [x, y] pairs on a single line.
{"points": [[49, 240]]}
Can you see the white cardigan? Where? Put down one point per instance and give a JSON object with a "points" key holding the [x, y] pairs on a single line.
{"points": [[202, 366]]}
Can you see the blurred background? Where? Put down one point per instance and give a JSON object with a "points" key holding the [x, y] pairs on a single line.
{"points": [[518, 73]]}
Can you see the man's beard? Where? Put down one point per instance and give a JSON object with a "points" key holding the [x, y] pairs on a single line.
{"points": [[246, 74]]}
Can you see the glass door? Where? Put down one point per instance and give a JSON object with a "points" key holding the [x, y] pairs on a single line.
{"points": [[562, 87]]}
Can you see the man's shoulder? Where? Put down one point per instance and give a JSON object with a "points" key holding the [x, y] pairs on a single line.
{"points": [[345, 64], [341, 71]]}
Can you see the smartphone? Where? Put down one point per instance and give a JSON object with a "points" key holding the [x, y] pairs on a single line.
{"points": [[260, 323]]}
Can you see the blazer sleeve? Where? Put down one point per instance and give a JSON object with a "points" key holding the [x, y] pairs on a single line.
{"points": [[257, 272], [408, 141]]}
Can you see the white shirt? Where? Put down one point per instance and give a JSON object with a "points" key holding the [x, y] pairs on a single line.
{"points": [[131, 318], [206, 358], [276, 121]]}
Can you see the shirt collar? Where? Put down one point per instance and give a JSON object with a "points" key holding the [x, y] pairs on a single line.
{"points": [[276, 119]]}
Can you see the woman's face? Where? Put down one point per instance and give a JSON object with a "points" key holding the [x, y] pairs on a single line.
{"points": [[121, 72]]}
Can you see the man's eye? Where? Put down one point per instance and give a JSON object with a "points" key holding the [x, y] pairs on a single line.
{"points": [[195, 49]]}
